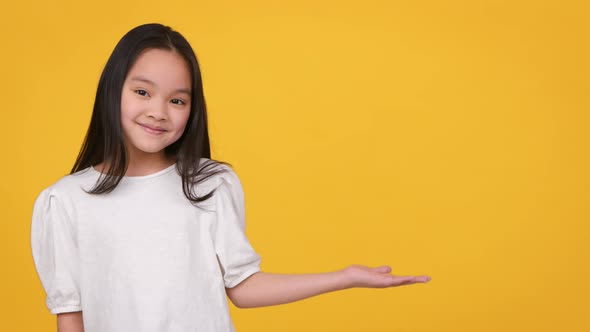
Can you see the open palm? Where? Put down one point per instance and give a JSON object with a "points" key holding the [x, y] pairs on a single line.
{"points": [[379, 277]]}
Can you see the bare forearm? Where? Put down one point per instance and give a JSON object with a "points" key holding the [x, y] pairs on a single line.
{"points": [[265, 289], [70, 322]]}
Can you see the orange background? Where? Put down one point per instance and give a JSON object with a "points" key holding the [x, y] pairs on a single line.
{"points": [[447, 138]]}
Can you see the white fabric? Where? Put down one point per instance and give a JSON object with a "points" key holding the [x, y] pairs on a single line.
{"points": [[142, 258]]}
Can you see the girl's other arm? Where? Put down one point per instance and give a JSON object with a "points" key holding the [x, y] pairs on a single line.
{"points": [[265, 289], [70, 322]]}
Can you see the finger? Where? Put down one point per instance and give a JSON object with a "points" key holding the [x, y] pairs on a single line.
{"points": [[383, 269], [417, 278], [406, 280], [423, 279], [394, 281]]}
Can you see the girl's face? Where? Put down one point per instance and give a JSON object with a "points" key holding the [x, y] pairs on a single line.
{"points": [[155, 102]]}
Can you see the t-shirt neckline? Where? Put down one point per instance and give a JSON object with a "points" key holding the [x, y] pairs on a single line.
{"points": [[139, 177]]}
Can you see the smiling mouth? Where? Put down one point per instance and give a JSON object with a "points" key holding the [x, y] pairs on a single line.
{"points": [[152, 129]]}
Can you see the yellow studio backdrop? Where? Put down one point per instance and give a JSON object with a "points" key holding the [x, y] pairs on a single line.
{"points": [[447, 138]]}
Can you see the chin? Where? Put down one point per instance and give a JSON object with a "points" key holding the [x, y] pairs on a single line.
{"points": [[149, 149], [152, 151]]}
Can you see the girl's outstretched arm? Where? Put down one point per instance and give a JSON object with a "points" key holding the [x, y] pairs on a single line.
{"points": [[265, 289]]}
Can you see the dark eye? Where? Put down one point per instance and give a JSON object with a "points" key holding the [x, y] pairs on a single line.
{"points": [[141, 92], [178, 102]]}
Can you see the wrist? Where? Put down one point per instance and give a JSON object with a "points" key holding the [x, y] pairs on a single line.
{"points": [[345, 278]]}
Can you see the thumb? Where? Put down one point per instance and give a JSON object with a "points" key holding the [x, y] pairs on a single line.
{"points": [[383, 269]]}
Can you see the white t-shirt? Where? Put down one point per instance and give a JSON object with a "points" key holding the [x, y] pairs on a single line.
{"points": [[142, 258]]}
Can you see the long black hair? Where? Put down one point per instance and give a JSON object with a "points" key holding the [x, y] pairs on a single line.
{"points": [[104, 140]]}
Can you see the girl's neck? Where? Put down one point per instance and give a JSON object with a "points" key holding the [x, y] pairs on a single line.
{"points": [[146, 167], [141, 167]]}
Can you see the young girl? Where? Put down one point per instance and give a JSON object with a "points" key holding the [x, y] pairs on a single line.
{"points": [[146, 233]]}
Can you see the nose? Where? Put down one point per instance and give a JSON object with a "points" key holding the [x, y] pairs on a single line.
{"points": [[158, 111]]}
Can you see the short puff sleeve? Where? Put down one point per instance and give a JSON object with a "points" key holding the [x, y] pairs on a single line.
{"points": [[55, 253], [235, 254]]}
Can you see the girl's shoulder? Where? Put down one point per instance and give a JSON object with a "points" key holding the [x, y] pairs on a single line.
{"points": [[66, 187], [217, 177], [216, 170], [228, 175]]}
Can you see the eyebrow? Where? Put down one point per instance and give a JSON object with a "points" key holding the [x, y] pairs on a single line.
{"points": [[143, 79]]}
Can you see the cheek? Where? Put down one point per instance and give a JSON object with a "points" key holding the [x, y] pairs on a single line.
{"points": [[128, 115], [180, 121], [126, 119], [129, 107]]}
